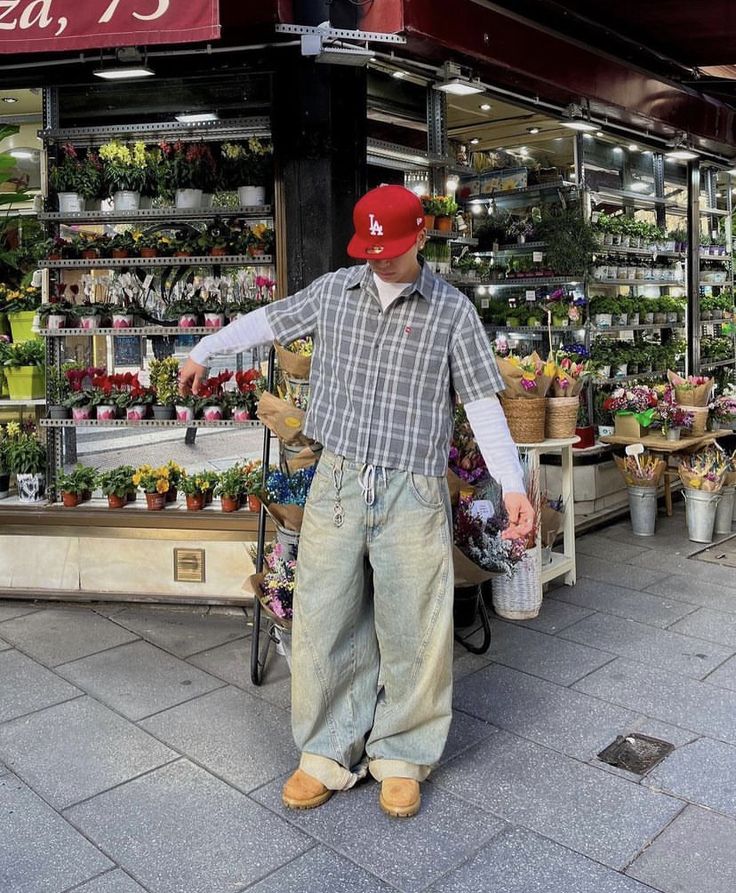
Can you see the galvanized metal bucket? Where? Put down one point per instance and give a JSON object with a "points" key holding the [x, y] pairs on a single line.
{"points": [[643, 510], [700, 513], [724, 512]]}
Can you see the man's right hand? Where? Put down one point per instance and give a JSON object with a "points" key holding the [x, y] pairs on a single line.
{"points": [[190, 377]]}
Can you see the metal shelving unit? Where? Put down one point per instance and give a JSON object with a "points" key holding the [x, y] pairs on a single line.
{"points": [[147, 423], [113, 263], [144, 215]]}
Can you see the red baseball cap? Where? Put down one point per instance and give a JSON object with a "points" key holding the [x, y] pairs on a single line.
{"points": [[386, 220]]}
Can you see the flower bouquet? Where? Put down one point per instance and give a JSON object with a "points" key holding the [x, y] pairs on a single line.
{"points": [[633, 409], [723, 410], [670, 416], [285, 496], [526, 381], [695, 390], [642, 470], [296, 358], [573, 367], [465, 461], [275, 588], [285, 420], [705, 471]]}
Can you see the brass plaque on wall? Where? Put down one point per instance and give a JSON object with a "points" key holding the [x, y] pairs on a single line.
{"points": [[189, 565]]}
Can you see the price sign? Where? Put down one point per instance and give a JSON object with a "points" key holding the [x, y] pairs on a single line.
{"points": [[537, 257], [484, 304], [530, 295]]}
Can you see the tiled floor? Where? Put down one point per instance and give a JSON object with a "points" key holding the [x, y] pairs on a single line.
{"points": [[136, 756]]}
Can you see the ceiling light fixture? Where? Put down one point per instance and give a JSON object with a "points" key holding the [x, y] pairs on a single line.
{"points": [[532, 129], [456, 83], [10, 99], [125, 72], [680, 149], [633, 147], [485, 106], [197, 117], [474, 141], [398, 74], [575, 120], [599, 133]]}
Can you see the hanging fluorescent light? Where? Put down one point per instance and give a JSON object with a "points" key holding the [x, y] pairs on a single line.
{"points": [[24, 154], [485, 106], [125, 72], [681, 154], [197, 117], [455, 82]]}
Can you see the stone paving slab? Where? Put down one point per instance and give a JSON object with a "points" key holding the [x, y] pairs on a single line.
{"points": [[77, 749], [182, 633], [592, 812], [231, 663], [683, 702], [714, 626], [58, 635], [519, 861], [321, 871], [554, 615], [681, 654], [240, 738], [464, 662], [724, 676], [653, 560], [179, 829], [611, 572], [697, 592], [138, 679], [695, 853], [4, 646], [11, 609], [556, 717], [113, 882], [549, 657], [465, 731], [655, 610], [702, 772], [27, 686], [598, 545], [39, 851], [410, 855]]}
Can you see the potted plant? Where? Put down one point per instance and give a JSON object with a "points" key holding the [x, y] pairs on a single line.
{"points": [[154, 482], [428, 206], [55, 314], [175, 475], [214, 312], [124, 172], [116, 484], [66, 178], [247, 168], [25, 456], [230, 488], [137, 400], [212, 396], [58, 391], [24, 367], [76, 484], [243, 400], [185, 310], [252, 474], [164, 378], [21, 308], [260, 240], [209, 478], [4, 469], [195, 487], [90, 315], [186, 407], [602, 310], [633, 409], [570, 241]]}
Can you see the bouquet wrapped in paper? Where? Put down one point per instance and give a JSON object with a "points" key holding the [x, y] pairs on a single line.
{"points": [[639, 401], [723, 410], [705, 470], [552, 520], [286, 421], [643, 470], [526, 376], [572, 368], [285, 496], [695, 390], [295, 359], [480, 552], [465, 460]]}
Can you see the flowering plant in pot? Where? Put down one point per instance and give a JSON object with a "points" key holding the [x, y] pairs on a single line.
{"points": [[633, 409], [55, 314], [185, 310], [154, 482], [242, 401], [74, 485], [25, 457], [122, 245], [164, 378], [247, 168], [230, 488], [186, 407], [124, 170], [670, 416], [186, 167], [252, 474], [723, 410], [261, 239], [213, 309], [75, 177], [212, 395], [116, 484], [176, 472], [195, 488], [137, 400]]}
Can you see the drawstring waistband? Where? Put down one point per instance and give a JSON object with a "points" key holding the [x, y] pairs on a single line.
{"points": [[367, 480]]}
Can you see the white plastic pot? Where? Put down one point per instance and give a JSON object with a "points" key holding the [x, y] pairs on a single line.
{"points": [[70, 202], [251, 195], [188, 198], [126, 200]]}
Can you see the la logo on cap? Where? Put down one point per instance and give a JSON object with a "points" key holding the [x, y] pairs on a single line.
{"points": [[375, 229]]}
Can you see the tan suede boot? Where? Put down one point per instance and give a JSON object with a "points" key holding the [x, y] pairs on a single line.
{"points": [[400, 797], [302, 791]]}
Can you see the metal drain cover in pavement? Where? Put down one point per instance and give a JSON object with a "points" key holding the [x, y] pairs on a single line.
{"points": [[636, 753]]}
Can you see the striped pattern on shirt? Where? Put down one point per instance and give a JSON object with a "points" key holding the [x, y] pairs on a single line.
{"points": [[382, 383]]}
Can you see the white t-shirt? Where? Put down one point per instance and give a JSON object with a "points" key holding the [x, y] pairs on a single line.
{"points": [[388, 291]]}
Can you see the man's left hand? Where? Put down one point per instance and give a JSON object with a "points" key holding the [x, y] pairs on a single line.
{"points": [[521, 516]]}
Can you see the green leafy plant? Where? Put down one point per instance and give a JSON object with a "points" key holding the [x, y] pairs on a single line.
{"points": [[81, 479], [116, 481], [570, 240], [164, 378], [230, 483], [124, 166], [25, 353], [246, 164], [24, 452]]}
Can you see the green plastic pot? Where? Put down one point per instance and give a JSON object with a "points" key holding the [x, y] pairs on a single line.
{"points": [[21, 323], [25, 382]]}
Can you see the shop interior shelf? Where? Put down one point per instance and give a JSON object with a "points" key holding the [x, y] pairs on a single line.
{"points": [[641, 252], [512, 249], [714, 212], [529, 283], [707, 283], [136, 330], [647, 326], [723, 257], [643, 283], [147, 423], [717, 364], [526, 190], [626, 378], [560, 564], [234, 128], [29, 402], [453, 236], [531, 328], [108, 263], [145, 214]]}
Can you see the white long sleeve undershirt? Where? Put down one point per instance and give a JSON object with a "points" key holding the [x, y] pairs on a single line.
{"points": [[494, 441], [485, 416], [245, 333]]}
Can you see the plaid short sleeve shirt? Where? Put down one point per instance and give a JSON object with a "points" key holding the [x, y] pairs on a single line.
{"points": [[382, 383]]}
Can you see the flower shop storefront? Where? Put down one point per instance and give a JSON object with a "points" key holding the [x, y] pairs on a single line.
{"points": [[220, 182]]}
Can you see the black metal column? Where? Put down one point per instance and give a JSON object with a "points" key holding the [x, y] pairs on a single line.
{"points": [[437, 146], [693, 267], [319, 133]]}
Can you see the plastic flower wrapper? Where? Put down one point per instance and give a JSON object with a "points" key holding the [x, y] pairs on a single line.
{"points": [[705, 470], [723, 409], [639, 401], [573, 367], [668, 413], [285, 496], [479, 521], [275, 587], [525, 376], [695, 390], [465, 459], [644, 470]]}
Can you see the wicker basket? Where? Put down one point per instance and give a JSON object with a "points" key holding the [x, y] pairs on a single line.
{"points": [[700, 418], [562, 417], [525, 416], [519, 597]]}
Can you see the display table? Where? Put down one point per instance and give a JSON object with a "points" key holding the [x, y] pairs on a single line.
{"points": [[563, 563], [659, 445]]}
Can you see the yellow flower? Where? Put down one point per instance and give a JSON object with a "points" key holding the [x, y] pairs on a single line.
{"points": [[162, 486], [203, 484], [137, 478], [13, 429]]}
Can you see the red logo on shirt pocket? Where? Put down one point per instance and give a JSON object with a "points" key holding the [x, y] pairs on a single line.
{"points": [[407, 330]]}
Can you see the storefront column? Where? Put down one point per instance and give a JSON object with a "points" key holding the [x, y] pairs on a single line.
{"points": [[693, 267], [319, 132]]}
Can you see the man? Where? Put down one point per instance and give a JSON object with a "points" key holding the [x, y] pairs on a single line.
{"points": [[372, 635]]}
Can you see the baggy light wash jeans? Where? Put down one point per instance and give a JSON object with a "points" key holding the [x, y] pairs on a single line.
{"points": [[373, 634]]}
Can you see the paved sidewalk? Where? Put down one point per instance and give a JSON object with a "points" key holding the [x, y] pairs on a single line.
{"points": [[136, 756]]}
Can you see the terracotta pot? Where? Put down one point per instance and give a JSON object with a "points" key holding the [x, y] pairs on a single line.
{"points": [[254, 503], [90, 253], [116, 502], [429, 220], [155, 502], [195, 502], [218, 252], [443, 224], [119, 253], [229, 504], [149, 252], [182, 254], [171, 494], [70, 500]]}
